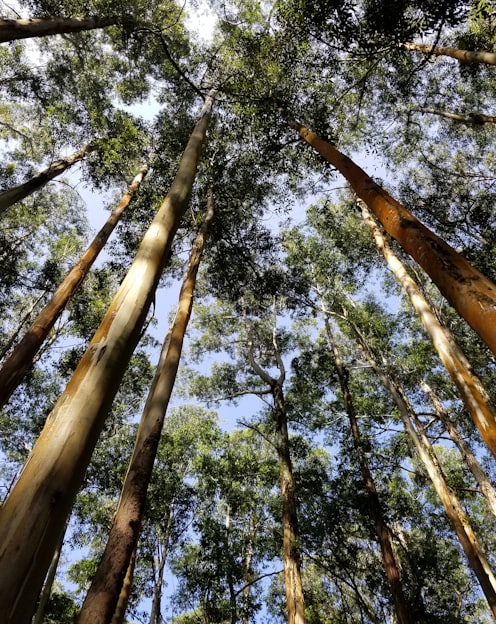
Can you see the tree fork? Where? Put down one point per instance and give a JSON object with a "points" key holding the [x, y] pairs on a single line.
{"points": [[35, 511], [21, 359], [470, 292]]}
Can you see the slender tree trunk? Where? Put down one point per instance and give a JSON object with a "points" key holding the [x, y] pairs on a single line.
{"points": [[230, 584], [100, 601], [454, 510], [121, 607], [291, 551], [37, 182], [471, 389], [471, 460], [48, 584], [21, 358], [12, 29], [466, 56], [404, 614], [156, 610], [473, 119], [248, 578], [34, 514], [290, 534], [467, 290]]}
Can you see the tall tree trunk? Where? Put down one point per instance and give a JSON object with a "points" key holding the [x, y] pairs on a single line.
{"points": [[471, 389], [232, 593], [38, 181], [101, 599], [122, 602], [34, 514], [471, 460], [11, 29], [156, 610], [454, 510], [290, 534], [473, 119], [403, 611], [21, 358], [467, 290], [466, 56], [248, 578]]}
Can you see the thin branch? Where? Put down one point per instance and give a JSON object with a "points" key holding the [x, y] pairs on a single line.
{"points": [[257, 430], [259, 578]]}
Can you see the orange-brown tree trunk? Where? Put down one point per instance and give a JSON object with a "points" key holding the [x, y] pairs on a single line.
{"points": [[11, 29], [101, 599], [465, 56], [38, 181], [470, 387], [21, 358], [403, 611], [34, 514], [471, 293]]}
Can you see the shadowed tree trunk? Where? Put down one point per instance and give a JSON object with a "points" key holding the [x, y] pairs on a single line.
{"points": [[21, 358], [11, 29], [34, 514], [465, 56], [38, 181], [403, 611], [101, 599], [122, 602], [470, 387], [471, 293], [476, 558]]}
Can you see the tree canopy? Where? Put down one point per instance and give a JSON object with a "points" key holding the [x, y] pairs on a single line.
{"points": [[341, 153]]}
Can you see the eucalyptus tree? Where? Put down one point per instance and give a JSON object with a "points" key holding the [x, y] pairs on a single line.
{"points": [[104, 363], [102, 597], [222, 564], [260, 352]]}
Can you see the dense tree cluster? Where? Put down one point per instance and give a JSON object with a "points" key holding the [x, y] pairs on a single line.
{"points": [[314, 185]]}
